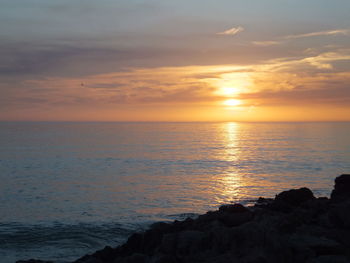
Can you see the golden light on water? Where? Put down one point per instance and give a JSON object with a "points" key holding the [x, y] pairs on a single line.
{"points": [[231, 138], [230, 180]]}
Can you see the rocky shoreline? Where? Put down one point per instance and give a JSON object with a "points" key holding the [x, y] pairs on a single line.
{"points": [[293, 227]]}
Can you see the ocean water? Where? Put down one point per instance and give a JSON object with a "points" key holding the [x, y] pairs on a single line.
{"points": [[67, 189]]}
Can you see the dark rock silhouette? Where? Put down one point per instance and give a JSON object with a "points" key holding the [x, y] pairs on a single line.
{"points": [[33, 261], [295, 196], [293, 227], [342, 188]]}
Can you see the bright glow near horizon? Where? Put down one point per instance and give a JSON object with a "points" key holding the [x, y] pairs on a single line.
{"points": [[228, 91], [232, 102], [158, 61]]}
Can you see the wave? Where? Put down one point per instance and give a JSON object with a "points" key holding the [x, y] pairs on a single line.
{"points": [[59, 242]]}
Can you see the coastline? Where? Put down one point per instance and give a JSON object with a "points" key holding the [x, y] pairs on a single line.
{"points": [[293, 227]]}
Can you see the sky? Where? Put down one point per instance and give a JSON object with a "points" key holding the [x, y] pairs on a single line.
{"points": [[153, 60]]}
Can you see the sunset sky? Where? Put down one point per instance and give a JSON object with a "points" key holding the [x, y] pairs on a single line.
{"points": [[153, 60]]}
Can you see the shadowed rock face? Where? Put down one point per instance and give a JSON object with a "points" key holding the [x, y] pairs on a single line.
{"points": [[293, 227], [342, 188]]}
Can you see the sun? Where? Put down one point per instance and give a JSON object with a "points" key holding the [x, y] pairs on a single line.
{"points": [[228, 91], [232, 102]]}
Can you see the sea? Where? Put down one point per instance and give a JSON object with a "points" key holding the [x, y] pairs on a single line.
{"points": [[70, 188]]}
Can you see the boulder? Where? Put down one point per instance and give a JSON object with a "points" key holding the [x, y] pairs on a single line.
{"points": [[262, 201], [189, 242], [295, 197], [220, 239], [317, 244], [160, 226], [106, 254], [341, 189], [88, 259], [92, 260], [229, 215], [134, 242], [236, 219], [235, 208], [329, 259], [161, 258], [339, 215], [134, 258], [168, 243]]}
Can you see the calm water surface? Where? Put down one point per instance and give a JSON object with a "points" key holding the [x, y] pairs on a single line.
{"points": [[70, 188]]}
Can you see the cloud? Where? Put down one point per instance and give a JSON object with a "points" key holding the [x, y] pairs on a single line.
{"points": [[283, 39], [134, 87], [232, 31], [73, 58], [266, 43], [308, 79], [191, 84], [320, 33], [34, 59], [322, 89], [307, 63]]}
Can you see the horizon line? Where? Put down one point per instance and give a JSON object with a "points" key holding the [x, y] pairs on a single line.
{"points": [[95, 121]]}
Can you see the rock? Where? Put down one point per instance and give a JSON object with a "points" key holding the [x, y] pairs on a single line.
{"points": [[163, 259], [237, 219], [189, 242], [329, 259], [229, 215], [160, 226], [342, 188], [263, 201], [255, 257], [220, 239], [318, 245], [318, 205], [33, 261], [134, 258], [91, 260], [235, 208], [339, 215], [152, 238], [106, 254], [134, 242], [210, 216], [295, 197], [168, 243]]}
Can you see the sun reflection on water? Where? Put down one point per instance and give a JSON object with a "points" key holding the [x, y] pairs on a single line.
{"points": [[230, 180], [231, 141]]}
